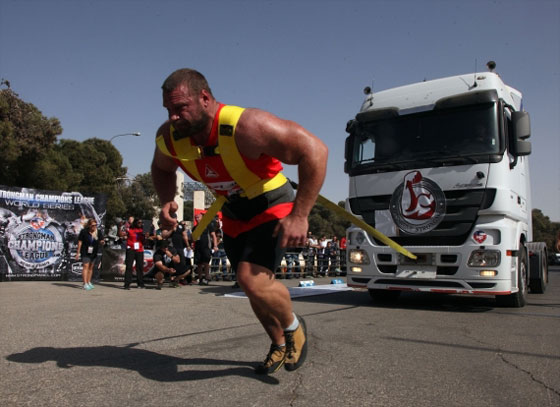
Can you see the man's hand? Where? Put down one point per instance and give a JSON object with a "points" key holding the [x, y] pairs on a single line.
{"points": [[168, 218], [292, 231]]}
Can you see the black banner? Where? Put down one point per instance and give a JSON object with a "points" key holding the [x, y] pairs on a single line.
{"points": [[39, 232]]}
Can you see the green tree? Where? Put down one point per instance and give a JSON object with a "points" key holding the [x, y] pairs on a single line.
{"points": [[139, 197], [26, 137], [544, 230], [32, 157], [324, 222]]}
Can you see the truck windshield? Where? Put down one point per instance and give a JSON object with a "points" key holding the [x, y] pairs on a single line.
{"points": [[468, 134]]}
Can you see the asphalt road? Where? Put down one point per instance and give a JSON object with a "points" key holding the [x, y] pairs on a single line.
{"points": [[62, 346]]}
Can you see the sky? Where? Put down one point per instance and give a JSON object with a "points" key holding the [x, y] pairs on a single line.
{"points": [[98, 66]]}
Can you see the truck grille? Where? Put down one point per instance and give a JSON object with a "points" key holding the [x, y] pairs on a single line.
{"points": [[461, 213]]}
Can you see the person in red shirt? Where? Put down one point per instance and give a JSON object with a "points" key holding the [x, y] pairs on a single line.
{"points": [[134, 253], [342, 243]]}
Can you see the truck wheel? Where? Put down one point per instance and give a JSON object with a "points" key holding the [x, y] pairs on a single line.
{"points": [[384, 296], [518, 299], [538, 267]]}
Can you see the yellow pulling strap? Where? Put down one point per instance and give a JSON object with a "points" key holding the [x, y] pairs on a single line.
{"points": [[366, 227], [220, 200], [208, 216]]}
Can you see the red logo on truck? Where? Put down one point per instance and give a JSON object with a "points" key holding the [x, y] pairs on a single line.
{"points": [[418, 204]]}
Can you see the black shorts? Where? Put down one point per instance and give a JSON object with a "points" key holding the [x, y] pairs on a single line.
{"points": [[256, 246], [202, 255], [88, 258]]}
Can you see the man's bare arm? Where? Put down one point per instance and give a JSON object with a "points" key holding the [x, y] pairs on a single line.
{"points": [[260, 132], [164, 178]]}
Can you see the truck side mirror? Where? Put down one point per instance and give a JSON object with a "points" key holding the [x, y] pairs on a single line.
{"points": [[521, 125], [521, 131], [522, 148], [347, 155], [347, 148]]}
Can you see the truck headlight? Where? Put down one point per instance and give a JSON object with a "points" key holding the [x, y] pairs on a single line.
{"points": [[358, 256], [484, 258]]}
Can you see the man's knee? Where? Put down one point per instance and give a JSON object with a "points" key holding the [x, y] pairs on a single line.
{"points": [[254, 281]]}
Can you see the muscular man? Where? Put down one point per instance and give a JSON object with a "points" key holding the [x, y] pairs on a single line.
{"points": [[238, 153]]}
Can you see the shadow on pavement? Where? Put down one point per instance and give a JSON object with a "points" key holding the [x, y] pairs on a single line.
{"points": [[75, 285], [417, 301], [151, 365], [78, 284]]}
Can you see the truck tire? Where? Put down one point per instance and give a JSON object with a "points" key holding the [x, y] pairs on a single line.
{"points": [[384, 296], [518, 299], [538, 267]]}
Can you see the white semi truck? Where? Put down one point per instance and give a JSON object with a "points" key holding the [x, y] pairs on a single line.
{"points": [[441, 168]]}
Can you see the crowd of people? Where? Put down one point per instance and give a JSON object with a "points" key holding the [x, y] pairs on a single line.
{"points": [[178, 260]]}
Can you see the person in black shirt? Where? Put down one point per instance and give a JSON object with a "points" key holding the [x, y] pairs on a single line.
{"points": [[203, 250], [89, 240], [167, 262], [180, 239]]}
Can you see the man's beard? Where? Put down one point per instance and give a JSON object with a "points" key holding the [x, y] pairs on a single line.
{"points": [[194, 127]]}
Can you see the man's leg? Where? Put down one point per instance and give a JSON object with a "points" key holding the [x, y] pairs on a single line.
{"points": [[139, 259], [254, 255], [272, 305], [129, 259], [159, 280], [269, 299], [204, 273]]}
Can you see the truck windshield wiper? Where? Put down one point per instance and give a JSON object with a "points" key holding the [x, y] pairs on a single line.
{"points": [[464, 159], [389, 166], [444, 157]]}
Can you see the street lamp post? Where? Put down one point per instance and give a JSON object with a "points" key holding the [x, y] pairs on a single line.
{"points": [[136, 134]]}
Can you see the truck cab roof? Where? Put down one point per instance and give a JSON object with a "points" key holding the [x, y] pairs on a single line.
{"points": [[424, 95]]}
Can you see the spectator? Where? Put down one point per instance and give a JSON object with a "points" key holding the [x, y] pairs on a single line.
{"points": [[322, 257], [203, 250], [127, 225], [343, 253], [219, 258], [168, 263], [189, 255], [180, 239], [123, 230], [309, 258], [185, 227], [312, 240], [218, 224], [150, 237], [342, 243], [158, 232], [335, 242], [334, 257], [113, 238], [89, 240], [292, 263], [311, 255], [134, 254]]}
